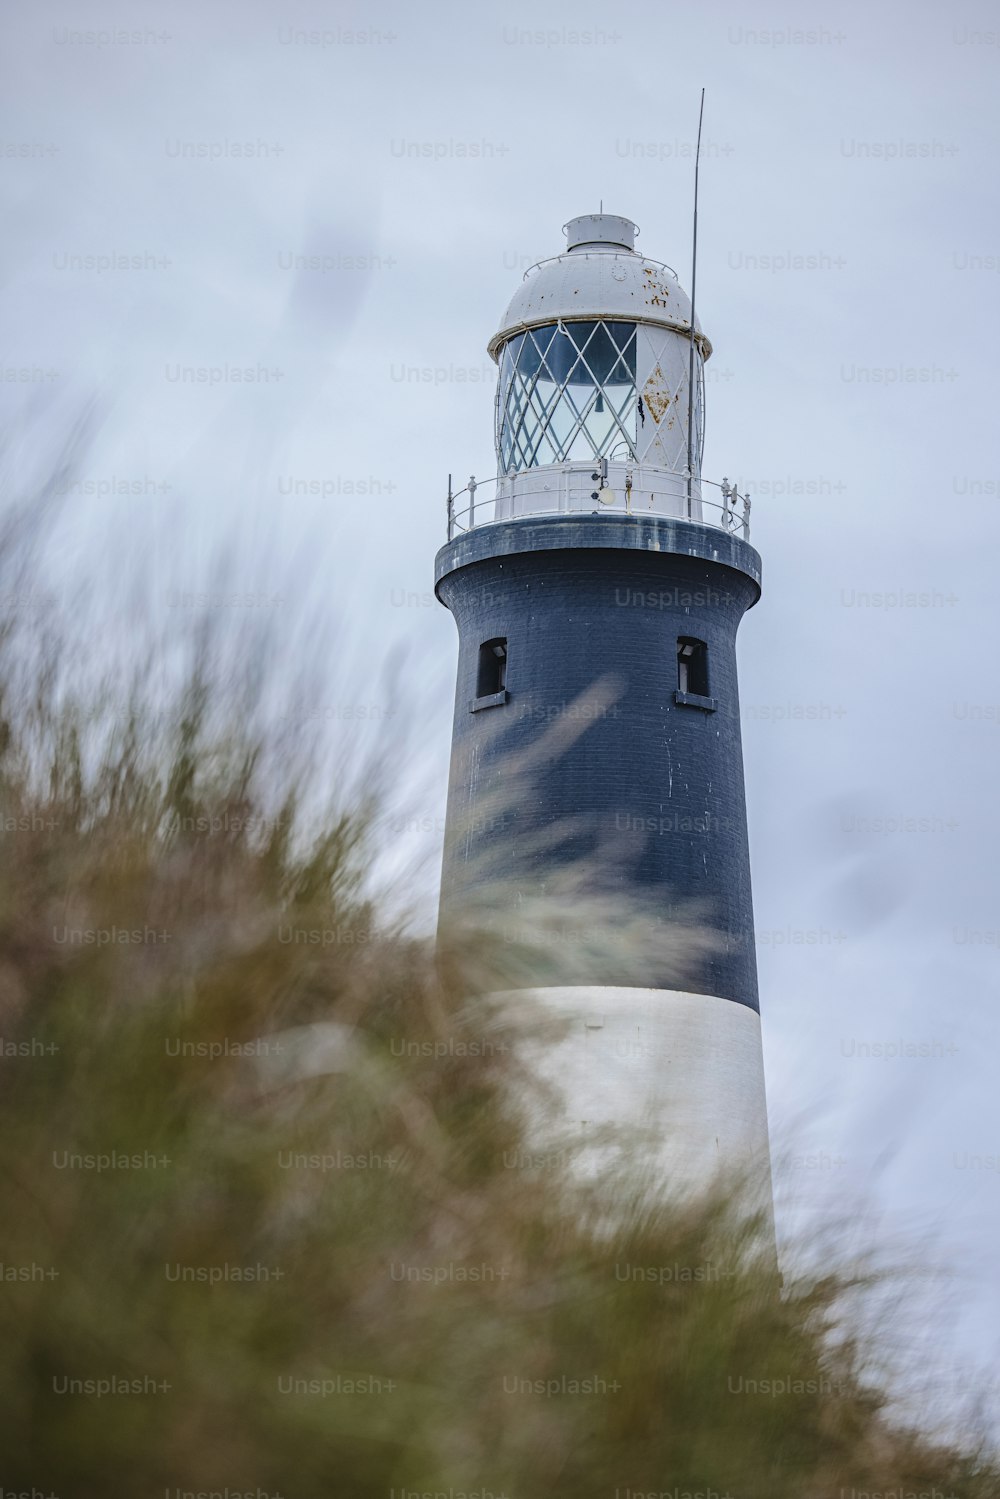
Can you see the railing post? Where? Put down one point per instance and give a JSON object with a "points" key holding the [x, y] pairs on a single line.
{"points": [[450, 506], [472, 501]]}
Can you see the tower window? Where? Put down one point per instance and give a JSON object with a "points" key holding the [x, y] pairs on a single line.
{"points": [[692, 675], [692, 666], [491, 674]]}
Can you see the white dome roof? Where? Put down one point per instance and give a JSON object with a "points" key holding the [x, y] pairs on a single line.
{"points": [[598, 277]]}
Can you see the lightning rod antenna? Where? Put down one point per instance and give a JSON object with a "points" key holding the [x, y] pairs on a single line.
{"points": [[694, 272]]}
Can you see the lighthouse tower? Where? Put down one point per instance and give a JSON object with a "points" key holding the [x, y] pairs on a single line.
{"points": [[598, 583]]}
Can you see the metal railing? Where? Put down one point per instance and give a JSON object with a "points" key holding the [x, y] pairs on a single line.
{"points": [[731, 514], [605, 254]]}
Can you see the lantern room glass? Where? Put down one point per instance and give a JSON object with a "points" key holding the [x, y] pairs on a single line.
{"points": [[567, 393]]}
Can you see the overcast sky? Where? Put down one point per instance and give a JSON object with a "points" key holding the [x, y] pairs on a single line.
{"points": [[422, 156]]}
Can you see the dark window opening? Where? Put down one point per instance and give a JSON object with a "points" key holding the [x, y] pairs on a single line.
{"points": [[492, 675], [692, 666]]}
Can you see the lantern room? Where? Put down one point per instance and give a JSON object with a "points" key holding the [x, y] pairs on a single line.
{"points": [[594, 397]]}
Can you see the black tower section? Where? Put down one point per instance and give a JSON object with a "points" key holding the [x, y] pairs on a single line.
{"points": [[627, 625]]}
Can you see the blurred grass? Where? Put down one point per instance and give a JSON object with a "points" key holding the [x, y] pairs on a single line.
{"points": [[195, 974]]}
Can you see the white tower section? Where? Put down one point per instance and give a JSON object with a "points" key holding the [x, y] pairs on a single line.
{"points": [[594, 353]]}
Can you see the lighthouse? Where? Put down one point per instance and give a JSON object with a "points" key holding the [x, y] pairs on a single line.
{"points": [[597, 582]]}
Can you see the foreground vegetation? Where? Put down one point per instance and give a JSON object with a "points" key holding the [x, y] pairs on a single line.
{"points": [[272, 1221]]}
